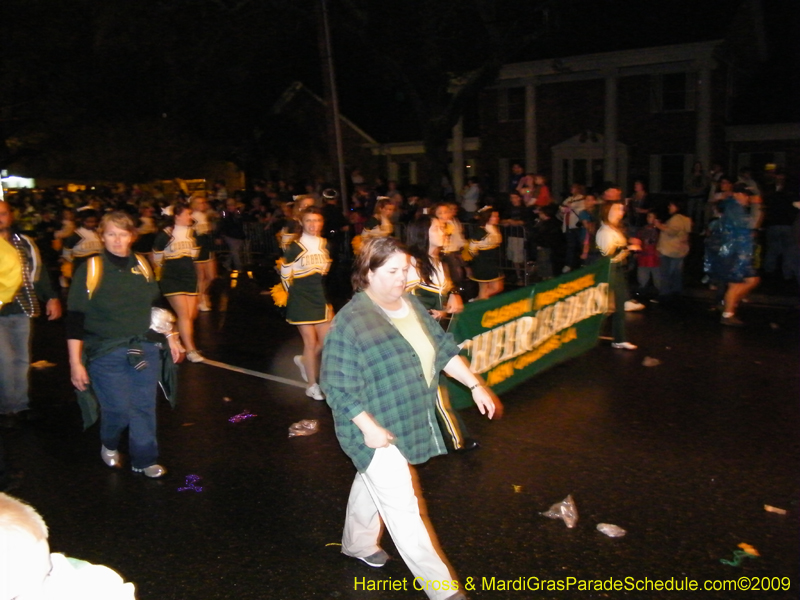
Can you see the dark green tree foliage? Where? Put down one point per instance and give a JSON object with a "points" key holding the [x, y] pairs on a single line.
{"points": [[435, 56], [138, 90]]}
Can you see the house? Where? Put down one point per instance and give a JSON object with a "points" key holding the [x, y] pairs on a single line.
{"points": [[622, 111]]}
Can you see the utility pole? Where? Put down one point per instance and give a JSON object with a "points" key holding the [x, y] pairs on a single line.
{"points": [[335, 148]]}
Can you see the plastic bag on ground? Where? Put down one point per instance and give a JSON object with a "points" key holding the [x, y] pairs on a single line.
{"points": [[304, 427], [564, 510]]}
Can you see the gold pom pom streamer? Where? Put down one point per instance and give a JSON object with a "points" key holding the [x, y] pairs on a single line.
{"points": [[279, 294]]}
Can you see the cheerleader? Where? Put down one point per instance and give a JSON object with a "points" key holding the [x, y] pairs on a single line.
{"points": [[453, 243], [174, 252], [379, 224], [83, 243], [294, 228], [428, 278], [304, 264], [206, 264], [429, 281], [486, 255], [146, 231], [613, 243]]}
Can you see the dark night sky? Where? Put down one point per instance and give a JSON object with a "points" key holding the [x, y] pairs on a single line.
{"points": [[591, 27], [106, 68]]}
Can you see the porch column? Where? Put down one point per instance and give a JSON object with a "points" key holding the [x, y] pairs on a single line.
{"points": [[531, 155], [703, 143], [458, 157], [610, 134]]}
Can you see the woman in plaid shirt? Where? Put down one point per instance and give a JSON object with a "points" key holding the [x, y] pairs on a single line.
{"points": [[380, 370]]}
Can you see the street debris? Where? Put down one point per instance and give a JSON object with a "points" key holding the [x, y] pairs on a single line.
{"points": [[304, 427], [747, 551], [774, 509], [565, 510], [191, 484], [42, 364], [611, 530], [245, 414]]}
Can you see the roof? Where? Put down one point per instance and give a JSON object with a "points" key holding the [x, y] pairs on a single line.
{"points": [[297, 88]]}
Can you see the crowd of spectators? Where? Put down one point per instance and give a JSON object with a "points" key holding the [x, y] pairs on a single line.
{"points": [[543, 236]]}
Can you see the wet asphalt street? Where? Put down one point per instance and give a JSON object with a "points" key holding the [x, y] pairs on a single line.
{"points": [[683, 455]]}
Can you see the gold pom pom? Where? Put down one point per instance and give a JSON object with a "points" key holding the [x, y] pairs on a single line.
{"points": [[356, 244], [279, 294], [466, 254]]}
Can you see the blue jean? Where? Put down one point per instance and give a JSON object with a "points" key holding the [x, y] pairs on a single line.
{"points": [[781, 244], [671, 275], [128, 400], [15, 359], [574, 247]]}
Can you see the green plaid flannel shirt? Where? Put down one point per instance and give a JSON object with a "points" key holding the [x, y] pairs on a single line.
{"points": [[367, 365]]}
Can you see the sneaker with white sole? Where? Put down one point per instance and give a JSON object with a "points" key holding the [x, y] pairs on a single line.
{"points": [[314, 391], [377, 560], [298, 360], [194, 356], [153, 471], [632, 305], [624, 346]]}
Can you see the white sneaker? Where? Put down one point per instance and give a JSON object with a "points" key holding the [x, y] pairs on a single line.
{"points": [[298, 360], [110, 457], [153, 471], [566, 269], [632, 305], [624, 346], [203, 306], [313, 391], [194, 356]]}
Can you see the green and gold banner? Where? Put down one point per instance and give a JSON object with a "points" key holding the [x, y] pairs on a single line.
{"points": [[509, 338]]}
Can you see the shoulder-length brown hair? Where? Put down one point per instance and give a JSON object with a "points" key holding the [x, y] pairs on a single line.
{"points": [[374, 253]]}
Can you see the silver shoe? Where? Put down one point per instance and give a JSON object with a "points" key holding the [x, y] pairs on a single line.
{"points": [[111, 457], [153, 471]]}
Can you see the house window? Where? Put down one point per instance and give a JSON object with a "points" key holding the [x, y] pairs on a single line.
{"points": [[672, 175], [673, 92], [404, 174], [511, 104], [668, 172]]}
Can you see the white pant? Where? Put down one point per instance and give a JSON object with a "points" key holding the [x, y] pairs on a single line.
{"points": [[385, 491]]}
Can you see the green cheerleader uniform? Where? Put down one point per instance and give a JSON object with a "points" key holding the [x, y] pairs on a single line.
{"points": [[174, 250], [80, 246], [288, 234], [433, 296], [375, 227], [305, 263], [486, 253], [204, 235]]}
